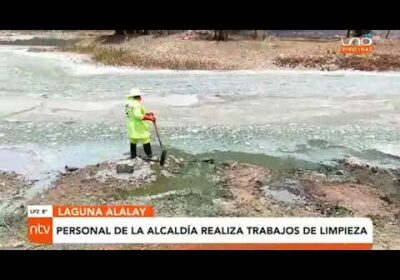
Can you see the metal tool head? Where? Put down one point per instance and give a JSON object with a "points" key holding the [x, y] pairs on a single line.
{"points": [[163, 157]]}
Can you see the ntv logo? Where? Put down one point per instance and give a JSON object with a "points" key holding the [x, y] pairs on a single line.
{"points": [[357, 45]]}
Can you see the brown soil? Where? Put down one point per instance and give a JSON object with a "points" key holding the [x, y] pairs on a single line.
{"points": [[322, 199], [93, 184], [190, 53], [244, 182], [386, 236], [12, 210], [243, 195], [361, 200], [374, 62], [195, 52], [11, 186]]}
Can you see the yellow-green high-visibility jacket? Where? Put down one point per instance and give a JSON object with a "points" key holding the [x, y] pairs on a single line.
{"points": [[137, 128]]}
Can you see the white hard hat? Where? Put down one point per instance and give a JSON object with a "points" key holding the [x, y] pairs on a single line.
{"points": [[135, 92]]}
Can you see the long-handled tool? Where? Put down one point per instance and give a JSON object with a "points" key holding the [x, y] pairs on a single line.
{"points": [[163, 152]]}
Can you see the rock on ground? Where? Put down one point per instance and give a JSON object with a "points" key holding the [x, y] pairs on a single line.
{"points": [[95, 184]]}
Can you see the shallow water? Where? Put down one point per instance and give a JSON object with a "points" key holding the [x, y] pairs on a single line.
{"points": [[56, 110]]}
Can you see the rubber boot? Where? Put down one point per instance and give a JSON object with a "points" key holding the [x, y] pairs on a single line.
{"points": [[133, 151], [147, 150]]}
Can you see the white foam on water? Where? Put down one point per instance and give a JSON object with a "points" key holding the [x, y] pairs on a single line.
{"points": [[13, 48], [13, 37], [286, 96], [175, 100], [22, 161], [391, 149], [90, 68]]}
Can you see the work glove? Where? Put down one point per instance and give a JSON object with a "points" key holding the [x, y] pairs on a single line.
{"points": [[151, 114], [149, 117]]}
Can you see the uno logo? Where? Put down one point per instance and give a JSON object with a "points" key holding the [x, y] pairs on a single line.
{"points": [[364, 41], [357, 46]]}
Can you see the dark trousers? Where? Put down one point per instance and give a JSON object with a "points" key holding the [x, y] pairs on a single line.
{"points": [[146, 148]]}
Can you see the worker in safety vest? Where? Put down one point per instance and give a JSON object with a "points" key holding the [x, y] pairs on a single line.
{"points": [[138, 122]]}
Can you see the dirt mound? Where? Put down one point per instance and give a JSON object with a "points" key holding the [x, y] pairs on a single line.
{"points": [[377, 62], [362, 200], [320, 198], [95, 184], [293, 61], [245, 181], [330, 61], [236, 190]]}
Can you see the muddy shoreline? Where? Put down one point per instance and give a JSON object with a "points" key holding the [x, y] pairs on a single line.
{"points": [[184, 51], [226, 188], [267, 56]]}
